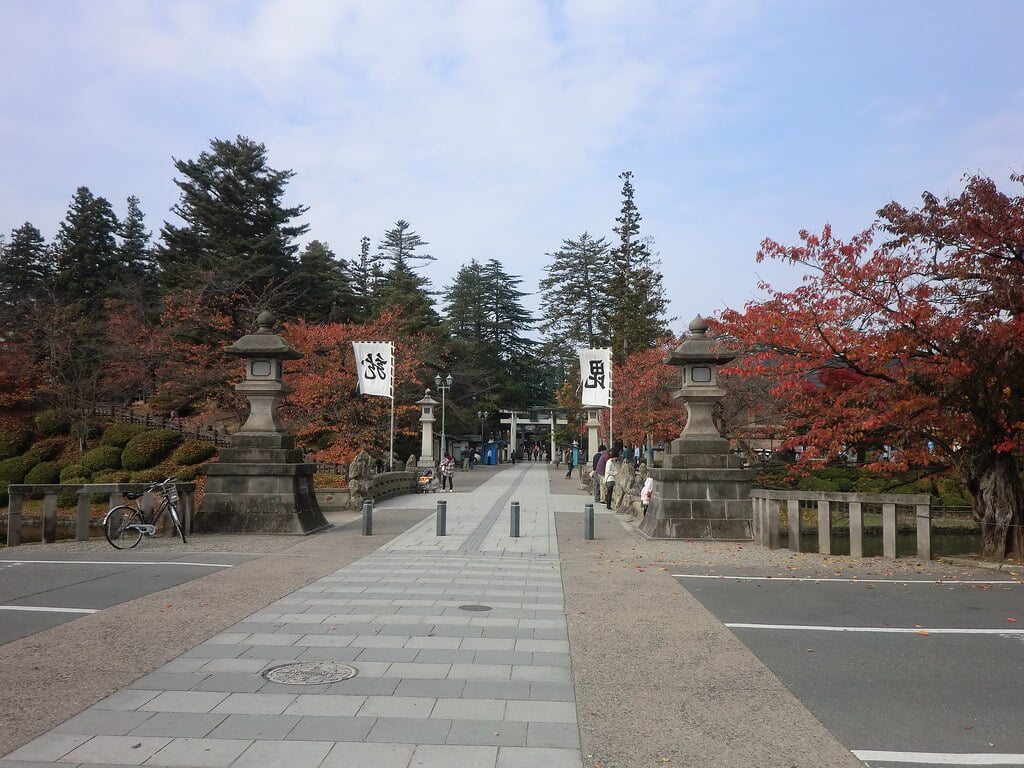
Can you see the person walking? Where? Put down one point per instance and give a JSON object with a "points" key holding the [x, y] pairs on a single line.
{"points": [[611, 469], [600, 459], [447, 472]]}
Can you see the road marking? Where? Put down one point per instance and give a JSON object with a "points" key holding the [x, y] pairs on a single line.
{"points": [[40, 609], [813, 579], [117, 562], [938, 758], [893, 630]]}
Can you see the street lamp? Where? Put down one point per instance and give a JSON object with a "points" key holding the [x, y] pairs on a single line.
{"points": [[482, 415], [443, 385]]}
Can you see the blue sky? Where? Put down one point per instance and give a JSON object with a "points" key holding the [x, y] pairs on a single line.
{"points": [[499, 127]]}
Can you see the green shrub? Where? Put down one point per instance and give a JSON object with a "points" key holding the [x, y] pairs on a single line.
{"points": [[67, 500], [193, 452], [52, 422], [112, 476], [147, 476], [119, 434], [870, 485], [148, 449], [44, 473], [189, 474], [13, 440], [12, 470], [103, 457], [46, 450], [169, 403], [815, 484], [75, 473]]}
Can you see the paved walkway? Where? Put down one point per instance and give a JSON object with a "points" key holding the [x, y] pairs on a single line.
{"points": [[459, 645]]}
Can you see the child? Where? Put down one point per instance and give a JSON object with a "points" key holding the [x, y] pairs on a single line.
{"points": [[645, 493]]}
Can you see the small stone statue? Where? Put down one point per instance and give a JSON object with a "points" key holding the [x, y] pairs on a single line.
{"points": [[410, 464], [360, 478]]}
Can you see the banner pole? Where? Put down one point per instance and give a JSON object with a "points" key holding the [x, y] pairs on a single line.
{"points": [[391, 444]]}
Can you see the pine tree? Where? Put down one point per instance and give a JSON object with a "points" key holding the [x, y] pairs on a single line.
{"points": [[26, 267], [326, 294], [365, 275], [136, 256], [399, 246], [401, 288], [638, 300], [88, 264], [237, 228]]}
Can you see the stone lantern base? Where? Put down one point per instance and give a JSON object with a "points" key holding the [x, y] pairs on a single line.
{"points": [[701, 492], [260, 485]]}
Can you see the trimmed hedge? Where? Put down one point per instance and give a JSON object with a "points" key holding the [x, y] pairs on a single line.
{"points": [[193, 452], [12, 470], [188, 474], [148, 449], [52, 422], [46, 450], [103, 457], [147, 476], [44, 473], [75, 473], [112, 476], [13, 440], [119, 434]]}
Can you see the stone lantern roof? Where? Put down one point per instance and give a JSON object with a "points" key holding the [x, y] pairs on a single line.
{"points": [[264, 342], [698, 348]]}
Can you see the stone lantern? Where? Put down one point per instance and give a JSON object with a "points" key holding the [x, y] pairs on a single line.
{"points": [[261, 482], [427, 405], [593, 426], [701, 491]]}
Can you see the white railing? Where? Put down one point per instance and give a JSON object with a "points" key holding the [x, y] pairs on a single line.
{"points": [[768, 504]]}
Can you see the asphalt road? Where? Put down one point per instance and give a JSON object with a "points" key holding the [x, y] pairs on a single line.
{"points": [[901, 670], [37, 593]]}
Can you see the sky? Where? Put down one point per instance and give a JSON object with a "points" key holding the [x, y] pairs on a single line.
{"points": [[499, 128]]}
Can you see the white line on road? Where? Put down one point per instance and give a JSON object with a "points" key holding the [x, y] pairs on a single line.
{"points": [[814, 579], [40, 609], [894, 630], [938, 758], [116, 562]]}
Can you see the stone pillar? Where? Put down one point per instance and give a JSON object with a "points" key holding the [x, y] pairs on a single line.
{"points": [[427, 406], [512, 435], [593, 433], [702, 490], [260, 483]]}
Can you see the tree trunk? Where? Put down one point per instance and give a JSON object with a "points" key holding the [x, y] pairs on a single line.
{"points": [[998, 503]]}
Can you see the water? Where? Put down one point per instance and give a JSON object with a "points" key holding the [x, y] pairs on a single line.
{"points": [[906, 543]]}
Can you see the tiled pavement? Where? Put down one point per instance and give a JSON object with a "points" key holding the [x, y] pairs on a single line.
{"points": [[437, 685]]}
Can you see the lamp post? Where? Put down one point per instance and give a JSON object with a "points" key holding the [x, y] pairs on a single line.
{"points": [[443, 385], [482, 415]]}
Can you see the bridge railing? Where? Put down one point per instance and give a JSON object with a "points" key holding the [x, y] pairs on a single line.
{"points": [[768, 504], [115, 495]]}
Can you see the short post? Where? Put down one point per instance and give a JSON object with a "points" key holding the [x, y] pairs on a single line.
{"points": [[49, 518], [14, 520], [923, 518], [856, 529], [368, 517], [889, 531], [824, 527], [514, 521], [793, 513], [82, 518], [442, 517], [588, 522]]}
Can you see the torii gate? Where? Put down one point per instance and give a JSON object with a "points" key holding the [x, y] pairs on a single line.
{"points": [[549, 417]]}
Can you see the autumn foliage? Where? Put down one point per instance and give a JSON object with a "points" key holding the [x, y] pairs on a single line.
{"points": [[909, 334]]}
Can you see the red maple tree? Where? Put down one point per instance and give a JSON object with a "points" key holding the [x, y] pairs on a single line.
{"points": [[644, 406], [911, 333]]}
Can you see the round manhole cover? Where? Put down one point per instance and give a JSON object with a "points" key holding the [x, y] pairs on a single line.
{"points": [[310, 673], [474, 607]]}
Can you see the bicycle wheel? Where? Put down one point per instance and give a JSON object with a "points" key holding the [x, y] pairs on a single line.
{"points": [[120, 526], [178, 525]]}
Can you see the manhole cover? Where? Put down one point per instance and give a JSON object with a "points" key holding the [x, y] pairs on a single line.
{"points": [[474, 607], [310, 673]]}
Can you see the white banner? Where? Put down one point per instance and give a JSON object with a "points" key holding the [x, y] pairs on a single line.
{"points": [[596, 376], [375, 367]]}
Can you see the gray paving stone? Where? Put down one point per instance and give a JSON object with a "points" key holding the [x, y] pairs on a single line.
{"points": [[469, 709], [351, 755], [397, 706], [502, 657], [433, 756], [106, 722], [131, 750], [200, 753], [231, 683], [496, 672], [488, 732], [552, 692], [178, 724], [432, 688], [542, 674], [430, 656], [184, 701], [160, 681], [387, 654], [532, 757], [405, 730], [314, 728], [541, 711], [216, 651], [255, 703], [551, 660], [327, 654], [559, 735], [255, 727], [277, 652], [371, 686], [496, 689], [50, 746], [330, 705], [283, 754]]}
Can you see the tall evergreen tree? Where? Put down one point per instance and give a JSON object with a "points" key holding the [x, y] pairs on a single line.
{"points": [[88, 263], [635, 287], [365, 275], [26, 267], [399, 246], [575, 306], [325, 289], [237, 227], [401, 287], [136, 256]]}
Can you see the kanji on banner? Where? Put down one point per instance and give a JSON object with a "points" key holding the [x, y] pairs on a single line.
{"points": [[375, 367], [596, 377]]}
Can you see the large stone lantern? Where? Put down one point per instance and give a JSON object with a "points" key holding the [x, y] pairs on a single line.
{"points": [[428, 409], [261, 482], [701, 491]]}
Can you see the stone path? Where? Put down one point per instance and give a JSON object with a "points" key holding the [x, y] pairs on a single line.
{"points": [[458, 644]]}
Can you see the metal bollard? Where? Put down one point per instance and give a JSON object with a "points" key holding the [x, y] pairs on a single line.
{"points": [[442, 517], [588, 522], [514, 521], [368, 517]]}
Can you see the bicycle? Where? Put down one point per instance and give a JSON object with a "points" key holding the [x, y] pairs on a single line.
{"points": [[126, 524]]}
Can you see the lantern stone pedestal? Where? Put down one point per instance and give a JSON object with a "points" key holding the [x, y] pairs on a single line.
{"points": [[260, 483], [701, 491]]}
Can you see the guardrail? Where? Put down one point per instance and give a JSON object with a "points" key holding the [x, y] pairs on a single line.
{"points": [[767, 506], [115, 495]]}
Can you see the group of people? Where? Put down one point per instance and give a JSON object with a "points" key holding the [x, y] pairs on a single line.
{"points": [[605, 470]]}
